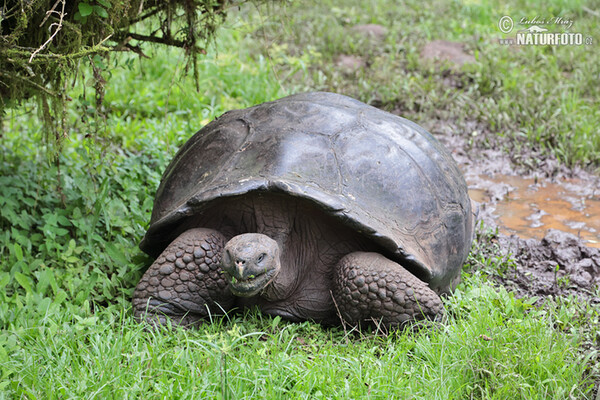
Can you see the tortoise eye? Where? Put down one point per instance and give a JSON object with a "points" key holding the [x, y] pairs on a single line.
{"points": [[260, 258]]}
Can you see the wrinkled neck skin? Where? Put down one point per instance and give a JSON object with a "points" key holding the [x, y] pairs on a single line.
{"points": [[277, 221]]}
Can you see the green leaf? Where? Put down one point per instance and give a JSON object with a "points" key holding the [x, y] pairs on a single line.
{"points": [[72, 260], [100, 11], [99, 61], [81, 296], [18, 252], [85, 9], [116, 255], [46, 278], [4, 279], [24, 281], [60, 297], [51, 219], [61, 231], [44, 305], [62, 220], [3, 359], [105, 3]]}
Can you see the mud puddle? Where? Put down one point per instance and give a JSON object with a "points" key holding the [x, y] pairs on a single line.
{"points": [[529, 207], [547, 215], [549, 227]]}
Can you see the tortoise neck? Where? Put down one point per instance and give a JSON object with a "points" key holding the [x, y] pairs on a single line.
{"points": [[274, 217]]}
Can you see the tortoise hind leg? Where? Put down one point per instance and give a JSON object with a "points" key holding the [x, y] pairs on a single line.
{"points": [[368, 286], [184, 284]]}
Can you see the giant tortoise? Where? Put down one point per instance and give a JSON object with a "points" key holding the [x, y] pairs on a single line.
{"points": [[312, 207]]}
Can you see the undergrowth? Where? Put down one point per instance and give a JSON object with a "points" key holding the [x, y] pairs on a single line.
{"points": [[43, 43], [70, 229], [540, 97]]}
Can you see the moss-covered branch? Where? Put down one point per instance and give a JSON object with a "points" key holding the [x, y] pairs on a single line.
{"points": [[41, 41]]}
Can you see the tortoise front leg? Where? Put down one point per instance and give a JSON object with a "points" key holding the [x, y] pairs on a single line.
{"points": [[368, 286], [185, 283]]}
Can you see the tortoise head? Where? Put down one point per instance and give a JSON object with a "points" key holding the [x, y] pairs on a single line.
{"points": [[251, 262]]}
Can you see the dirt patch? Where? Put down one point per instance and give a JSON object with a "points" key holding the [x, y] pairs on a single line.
{"points": [[444, 50], [528, 207], [349, 63], [556, 263], [371, 30]]}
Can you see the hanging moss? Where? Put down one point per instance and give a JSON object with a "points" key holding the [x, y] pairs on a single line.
{"points": [[42, 41]]}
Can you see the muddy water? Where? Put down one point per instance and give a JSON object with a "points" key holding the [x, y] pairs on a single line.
{"points": [[529, 208]]}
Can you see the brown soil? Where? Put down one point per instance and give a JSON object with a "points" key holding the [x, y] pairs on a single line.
{"points": [[547, 262], [348, 63], [371, 30], [558, 265], [522, 192], [446, 51], [528, 207]]}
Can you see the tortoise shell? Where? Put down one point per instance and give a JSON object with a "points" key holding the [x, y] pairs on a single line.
{"points": [[378, 173]]}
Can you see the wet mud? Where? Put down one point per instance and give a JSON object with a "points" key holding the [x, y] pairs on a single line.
{"points": [[529, 207], [543, 216], [560, 264], [539, 216]]}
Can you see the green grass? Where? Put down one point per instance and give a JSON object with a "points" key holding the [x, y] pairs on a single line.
{"points": [[534, 96], [491, 346], [68, 239]]}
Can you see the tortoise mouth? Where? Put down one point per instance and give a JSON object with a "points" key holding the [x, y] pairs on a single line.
{"points": [[252, 285]]}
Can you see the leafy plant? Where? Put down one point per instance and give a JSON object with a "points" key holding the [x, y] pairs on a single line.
{"points": [[42, 44], [69, 234]]}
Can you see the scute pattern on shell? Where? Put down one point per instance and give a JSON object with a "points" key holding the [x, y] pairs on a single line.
{"points": [[378, 173]]}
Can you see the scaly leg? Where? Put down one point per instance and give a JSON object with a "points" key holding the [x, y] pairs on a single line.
{"points": [[369, 286], [185, 283]]}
